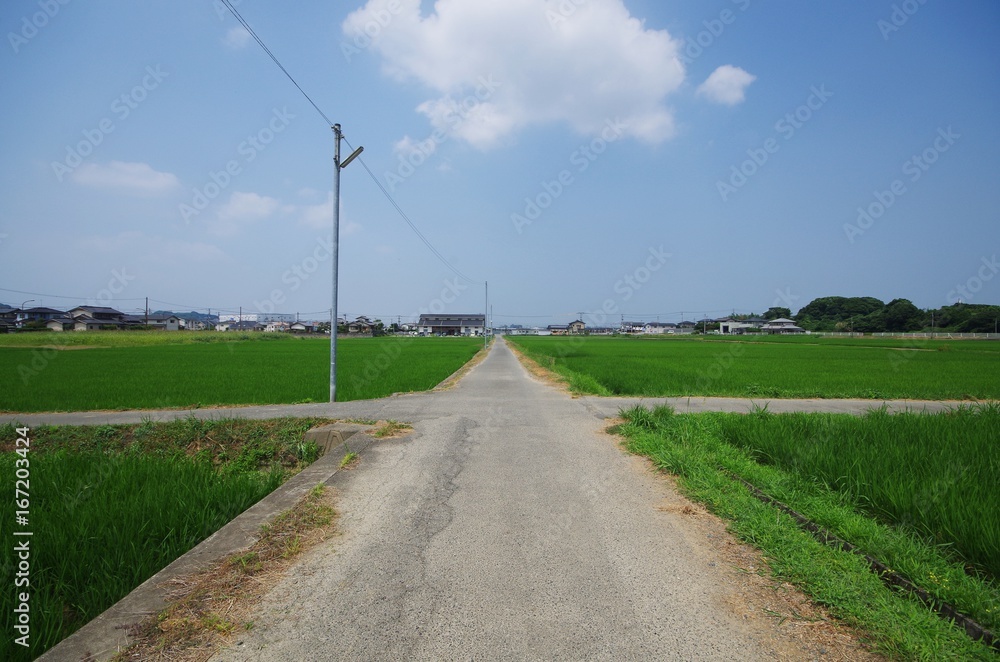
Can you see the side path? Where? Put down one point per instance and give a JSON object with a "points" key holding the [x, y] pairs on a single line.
{"points": [[508, 526], [417, 406]]}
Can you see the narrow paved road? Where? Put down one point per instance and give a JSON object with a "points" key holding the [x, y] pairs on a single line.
{"points": [[507, 526]]}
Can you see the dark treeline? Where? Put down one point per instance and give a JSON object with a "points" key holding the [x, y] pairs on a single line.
{"points": [[870, 315]]}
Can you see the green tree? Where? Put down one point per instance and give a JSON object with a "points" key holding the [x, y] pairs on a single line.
{"points": [[902, 315], [774, 312]]}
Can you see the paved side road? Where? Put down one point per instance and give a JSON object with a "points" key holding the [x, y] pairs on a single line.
{"points": [[418, 406], [506, 526]]}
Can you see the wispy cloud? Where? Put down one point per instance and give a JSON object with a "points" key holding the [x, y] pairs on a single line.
{"points": [[243, 208], [236, 38], [726, 85], [320, 217], [132, 177]]}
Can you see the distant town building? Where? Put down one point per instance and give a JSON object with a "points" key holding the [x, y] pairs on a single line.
{"points": [[452, 325]]}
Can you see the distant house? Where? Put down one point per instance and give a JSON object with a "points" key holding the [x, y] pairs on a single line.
{"points": [[452, 325], [248, 325], [85, 323], [657, 328], [276, 327], [729, 326], [39, 314], [558, 329], [632, 327], [360, 325], [158, 321], [577, 326], [303, 327], [782, 326], [98, 314], [61, 324]]}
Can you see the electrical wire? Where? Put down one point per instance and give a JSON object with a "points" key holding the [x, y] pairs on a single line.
{"points": [[56, 296], [329, 123]]}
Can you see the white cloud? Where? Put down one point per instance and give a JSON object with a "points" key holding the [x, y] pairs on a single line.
{"points": [[137, 247], [236, 38], [727, 85], [407, 146], [498, 67], [242, 208], [135, 177]]}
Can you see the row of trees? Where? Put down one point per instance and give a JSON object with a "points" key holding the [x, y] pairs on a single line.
{"points": [[871, 315]]}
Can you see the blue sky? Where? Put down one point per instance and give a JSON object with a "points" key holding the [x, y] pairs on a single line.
{"points": [[640, 158]]}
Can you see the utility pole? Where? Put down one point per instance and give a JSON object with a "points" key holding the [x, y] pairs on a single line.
{"points": [[337, 167], [486, 311], [147, 311]]}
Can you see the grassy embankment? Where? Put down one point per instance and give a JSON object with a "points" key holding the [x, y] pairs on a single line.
{"points": [[921, 493], [112, 505]]}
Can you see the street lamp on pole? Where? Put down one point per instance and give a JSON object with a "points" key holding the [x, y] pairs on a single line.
{"points": [[337, 167], [22, 309]]}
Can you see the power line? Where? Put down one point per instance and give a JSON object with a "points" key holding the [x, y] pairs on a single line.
{"points": [[273, 57], [329, 123], [56, 296]]}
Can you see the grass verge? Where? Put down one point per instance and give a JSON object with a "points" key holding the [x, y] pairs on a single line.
{"points": [[693, 447], [208, 609], [112, 505]]}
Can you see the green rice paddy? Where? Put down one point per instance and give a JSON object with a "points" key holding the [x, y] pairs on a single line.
{"points": [[872, 368], [73, 372]]}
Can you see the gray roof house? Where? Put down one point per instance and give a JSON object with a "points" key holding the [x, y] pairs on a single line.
{"points": [[452, 325]]}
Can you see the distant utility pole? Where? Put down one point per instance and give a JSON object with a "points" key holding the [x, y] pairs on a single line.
{"points": [[486, 311], [147, 311], [337, 167]]}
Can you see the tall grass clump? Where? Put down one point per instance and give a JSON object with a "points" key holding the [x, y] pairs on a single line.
{"points": [[938, 475], [710, 453], [112, 505]]}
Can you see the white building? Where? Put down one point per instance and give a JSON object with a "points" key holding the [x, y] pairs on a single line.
{"points": [[263, 318]]}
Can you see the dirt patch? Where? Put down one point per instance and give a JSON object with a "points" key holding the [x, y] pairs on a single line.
{"points": [[542, 374], [208, 608], [793, 626]]}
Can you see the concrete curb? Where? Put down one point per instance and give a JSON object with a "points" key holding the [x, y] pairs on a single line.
{"points": [[107, 634]]}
